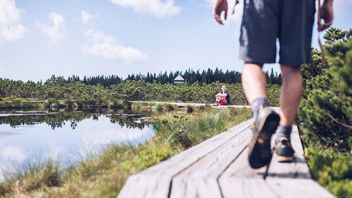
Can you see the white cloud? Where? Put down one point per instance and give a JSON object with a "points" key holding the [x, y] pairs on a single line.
{"points": [[55, 31], [10, 157], [86, 17], [10, 27], [159, 8], [102, 45], [94, 140]]}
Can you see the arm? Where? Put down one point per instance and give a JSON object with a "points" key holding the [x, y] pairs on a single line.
{"points": [[220, 6], [326, 15], [223, 94]]}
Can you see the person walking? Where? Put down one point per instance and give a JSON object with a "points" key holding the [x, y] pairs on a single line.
{"points": [[263, 23]]}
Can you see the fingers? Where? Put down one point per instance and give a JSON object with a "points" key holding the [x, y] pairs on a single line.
{"points": [[220, 7], [325, 25], [326, 17], [218, 19]]}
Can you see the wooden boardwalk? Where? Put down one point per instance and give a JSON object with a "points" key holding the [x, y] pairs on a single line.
{"points": [[185, 104], [218, 168]]}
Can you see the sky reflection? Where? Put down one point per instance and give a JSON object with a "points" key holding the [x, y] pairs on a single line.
{"points": [[34, 143]]}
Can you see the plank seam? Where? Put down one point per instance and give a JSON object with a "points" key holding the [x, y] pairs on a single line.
{"points": [[218, 178], [216, 148]]}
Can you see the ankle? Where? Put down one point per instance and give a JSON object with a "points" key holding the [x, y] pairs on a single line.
{"points": [[257, 103], [284, 132]]}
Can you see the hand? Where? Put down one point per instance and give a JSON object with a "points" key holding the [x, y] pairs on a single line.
{"points": [[326, 14], [220, 6]]}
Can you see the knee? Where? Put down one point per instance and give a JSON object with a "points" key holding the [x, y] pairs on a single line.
{"points": [[291, 74]]}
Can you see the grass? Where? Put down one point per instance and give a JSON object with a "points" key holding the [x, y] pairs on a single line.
{"points": [[105, 174]]}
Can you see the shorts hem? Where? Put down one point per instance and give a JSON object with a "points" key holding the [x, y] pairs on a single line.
{"points": [[257, 61]]}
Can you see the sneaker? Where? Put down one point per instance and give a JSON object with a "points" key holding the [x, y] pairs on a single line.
{"points": [[283, 150], [264, 127]]}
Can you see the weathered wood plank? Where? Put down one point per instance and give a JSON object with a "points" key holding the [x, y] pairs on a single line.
{"points": [[219, 168], [298, 188], [240, 168], [192, 104], [297, 169], [200, 179], [246, 188], [149, 181]]}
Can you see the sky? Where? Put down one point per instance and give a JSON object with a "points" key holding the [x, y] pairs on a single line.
{"points": [[40, 38]]}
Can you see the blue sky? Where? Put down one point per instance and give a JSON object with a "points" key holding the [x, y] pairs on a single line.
{"points": [[39, 38]]}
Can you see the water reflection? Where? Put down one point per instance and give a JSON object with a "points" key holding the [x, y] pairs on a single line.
{"points": [[65, 136], [58, 119]]}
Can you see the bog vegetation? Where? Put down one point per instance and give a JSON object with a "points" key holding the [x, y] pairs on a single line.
{"points": [[326, 114], [56, 92], [104, 175], [325, 119]]}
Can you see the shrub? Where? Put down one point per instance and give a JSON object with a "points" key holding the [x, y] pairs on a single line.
{"points": [[126, 104], [169, 107], [326, 114], [159, 108], [189, 109], [69, 103], [52, 101]]}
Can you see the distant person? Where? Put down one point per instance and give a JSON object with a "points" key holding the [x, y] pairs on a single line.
{"points": [[263, 22], [223, 97]]}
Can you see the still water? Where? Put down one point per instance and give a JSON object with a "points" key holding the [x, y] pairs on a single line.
{"points": [[64, 137]]}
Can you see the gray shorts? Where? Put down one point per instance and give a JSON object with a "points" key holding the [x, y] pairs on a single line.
{"points": [[265, 21]]}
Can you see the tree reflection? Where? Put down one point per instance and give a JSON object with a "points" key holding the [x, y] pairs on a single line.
{"points": [[60, 118]]}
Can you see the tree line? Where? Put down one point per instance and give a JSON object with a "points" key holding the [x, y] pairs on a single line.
{"points": [[202, 77]]}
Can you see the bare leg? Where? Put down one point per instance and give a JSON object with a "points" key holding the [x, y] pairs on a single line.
{"points": [[253, 81], [265, 120], [291, 91]]}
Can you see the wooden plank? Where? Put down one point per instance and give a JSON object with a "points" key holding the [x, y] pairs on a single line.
{"points": [[296, 169], [218, 168], [146, 186], [149, 181], [184, 104], [240, 168], [298, 188], [246, 188], [200, 179], [196, 187]]}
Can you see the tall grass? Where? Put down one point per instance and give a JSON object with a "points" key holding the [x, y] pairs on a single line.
{"points": [[32, 177], [103, 175]]}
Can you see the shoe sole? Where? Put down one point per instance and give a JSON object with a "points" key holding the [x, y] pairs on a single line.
{"points": [[281, 158], [260, 153]]}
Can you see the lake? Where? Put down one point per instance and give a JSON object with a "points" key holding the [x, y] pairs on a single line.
{"points": [[66, 137]]}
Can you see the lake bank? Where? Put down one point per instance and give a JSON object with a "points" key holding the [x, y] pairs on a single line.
{"points": [[66, 137], [103, 175]]}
